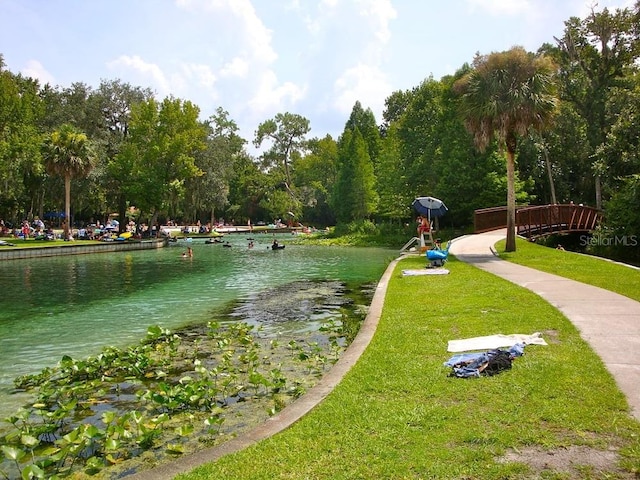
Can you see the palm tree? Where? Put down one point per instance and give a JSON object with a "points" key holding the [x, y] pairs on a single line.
{"points": [[505, 95], [68, 154]]}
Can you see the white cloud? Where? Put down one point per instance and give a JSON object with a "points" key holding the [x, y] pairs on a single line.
{"points": [[500, 7], [238, 67], [612, 5], [328, 3], [201, 73], [379, 13], [36, 70], [148, 71], [251, 35], [257, 35], [365, 83], [293, 5], [272, 97]]}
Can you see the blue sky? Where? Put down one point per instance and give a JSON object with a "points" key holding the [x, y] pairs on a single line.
{"points": [[257, 58]]}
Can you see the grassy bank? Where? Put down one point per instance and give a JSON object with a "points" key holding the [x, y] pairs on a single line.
{"points": [[583, 268], [398, 415], [16, 243]]}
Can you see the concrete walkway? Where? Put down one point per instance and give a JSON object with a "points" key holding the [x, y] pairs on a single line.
{"points": [[609, 322]]}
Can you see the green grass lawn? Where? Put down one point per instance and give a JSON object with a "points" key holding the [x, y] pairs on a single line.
{"points": [[398, 415], [583, 268], [33, 243]]}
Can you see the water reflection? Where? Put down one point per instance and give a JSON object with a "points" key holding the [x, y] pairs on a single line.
{"points": [[78, 304]]}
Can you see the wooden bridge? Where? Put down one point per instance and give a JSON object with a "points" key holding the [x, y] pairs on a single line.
{"points": [[540, 220]]}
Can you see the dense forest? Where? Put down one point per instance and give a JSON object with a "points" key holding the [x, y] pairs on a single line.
{"points": [[117, 149]]}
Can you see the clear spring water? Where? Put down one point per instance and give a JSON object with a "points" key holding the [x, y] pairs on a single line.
{"points": [[76, 305]]}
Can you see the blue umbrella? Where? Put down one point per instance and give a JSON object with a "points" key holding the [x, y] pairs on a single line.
{"points": [[430, 207], [54, 215]]}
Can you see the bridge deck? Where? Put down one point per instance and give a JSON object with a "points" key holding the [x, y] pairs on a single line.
{"points": [[540, 220]]}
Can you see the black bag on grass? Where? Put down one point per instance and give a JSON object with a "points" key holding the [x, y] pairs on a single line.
{"points": [[499, 360]]}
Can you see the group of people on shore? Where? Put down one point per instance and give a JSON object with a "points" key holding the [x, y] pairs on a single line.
{"points": [[35, 229]]}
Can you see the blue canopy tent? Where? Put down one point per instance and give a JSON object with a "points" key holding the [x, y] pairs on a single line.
{"points": [[57, 216]]}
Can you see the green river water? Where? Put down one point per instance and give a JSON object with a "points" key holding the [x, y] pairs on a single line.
{"points": [[76, 305]]}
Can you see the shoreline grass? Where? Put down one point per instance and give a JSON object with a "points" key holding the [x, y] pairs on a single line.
{"points": [[398, 415]]}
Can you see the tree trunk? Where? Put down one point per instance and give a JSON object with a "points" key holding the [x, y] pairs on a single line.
{"points": [[67, 206], [122, 214], [550, 174], [598, 193], [511, 201]]}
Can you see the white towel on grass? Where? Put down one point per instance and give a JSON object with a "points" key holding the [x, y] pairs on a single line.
{"points": [[490, 342], [425, 271]]}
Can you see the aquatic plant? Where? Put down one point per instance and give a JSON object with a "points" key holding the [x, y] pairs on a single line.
{"points": [[93, 413]]}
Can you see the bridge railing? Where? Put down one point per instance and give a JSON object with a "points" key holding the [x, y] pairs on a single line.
{"points": [[487, 219], [532, 221]]}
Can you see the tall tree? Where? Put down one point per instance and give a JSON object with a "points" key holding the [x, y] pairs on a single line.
{"points": [[394, 106], [355, 197], [287, 132], [505, 95], [159, 154], [459, 174], [365, 121], [420, 134], [316, 175], [391, 177], [68, 154], [620, 155], [594, 56], [109, 112], [217, 163], [20, 140], [248, 189]]}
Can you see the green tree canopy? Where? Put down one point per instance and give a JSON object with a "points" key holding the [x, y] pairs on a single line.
{"points": [[287, 133], [355, 197], [209, 191], [316, 174], [365, 121], [594, 56], [504, 96], [159, 154], [68, 154], [20, 139]]}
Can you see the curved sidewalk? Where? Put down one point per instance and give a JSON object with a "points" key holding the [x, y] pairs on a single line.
{"points": [[609, 322]]}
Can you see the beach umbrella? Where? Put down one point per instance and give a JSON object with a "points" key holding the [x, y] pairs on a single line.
{"points": [[430, 207]]}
